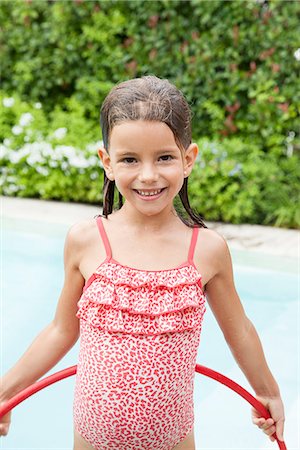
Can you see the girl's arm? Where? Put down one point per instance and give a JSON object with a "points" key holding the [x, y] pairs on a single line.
{"points": [[57, 338], [243, 339]]}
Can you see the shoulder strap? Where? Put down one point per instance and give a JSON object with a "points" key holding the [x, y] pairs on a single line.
{"points": [[193, 244], [104, 236]]}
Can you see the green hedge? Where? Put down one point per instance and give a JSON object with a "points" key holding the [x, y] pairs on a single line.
{"points": [[233, 60], [238, 183]]}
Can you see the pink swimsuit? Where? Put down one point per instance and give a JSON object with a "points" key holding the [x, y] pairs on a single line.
{"points": [[140, 331]]}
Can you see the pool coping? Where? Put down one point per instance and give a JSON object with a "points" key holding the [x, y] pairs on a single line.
{"points": [[256, 238]]}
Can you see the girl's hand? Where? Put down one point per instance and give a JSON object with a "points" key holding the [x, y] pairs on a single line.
{"points": [[4, 422], [276, 423]]}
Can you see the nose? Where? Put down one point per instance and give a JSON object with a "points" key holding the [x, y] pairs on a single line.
{"points": [[148, 173]]}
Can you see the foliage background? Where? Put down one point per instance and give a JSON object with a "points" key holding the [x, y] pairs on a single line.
{"points": [[236, 62]]}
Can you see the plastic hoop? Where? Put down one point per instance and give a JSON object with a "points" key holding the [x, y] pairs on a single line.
{"points": [[65, 373]]}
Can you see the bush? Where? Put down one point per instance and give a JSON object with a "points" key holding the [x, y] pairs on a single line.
{"points": [[40, 160], [237, 63], [237, 182]]}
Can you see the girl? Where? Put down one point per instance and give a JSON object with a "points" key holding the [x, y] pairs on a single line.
{"points": [[136, 282]]}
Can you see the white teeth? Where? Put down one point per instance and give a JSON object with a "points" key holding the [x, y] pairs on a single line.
{"points": [[146, 194]]}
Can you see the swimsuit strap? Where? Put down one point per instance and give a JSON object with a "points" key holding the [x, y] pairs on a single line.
{"points": [[192, 245], [108, 248], [104, 237]]}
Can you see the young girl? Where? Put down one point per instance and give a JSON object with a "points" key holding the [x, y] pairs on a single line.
{"points": [[136, 283]]}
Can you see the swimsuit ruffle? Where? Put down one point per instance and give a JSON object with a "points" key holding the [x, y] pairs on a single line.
{"points": [[121, 299]]}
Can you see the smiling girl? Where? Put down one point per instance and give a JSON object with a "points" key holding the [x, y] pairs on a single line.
{"points": [[137, 280]]}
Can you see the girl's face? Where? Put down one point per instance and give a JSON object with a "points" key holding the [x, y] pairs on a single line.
{"points": [[147, 165]]}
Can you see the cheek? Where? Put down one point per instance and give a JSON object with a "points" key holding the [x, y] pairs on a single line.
{"points": [[123, 178], [175, 178], [176, 173], [174, 170]]}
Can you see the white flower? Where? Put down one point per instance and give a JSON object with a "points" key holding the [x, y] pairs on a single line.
{"points": [[235, 170], [3, 151], [65, 151], [291, 136], [94, 175], [34, 158], [94, 146], [93, 161], [25, 119], [297, 54], [46, 149], [38, 105], [79, 162], [15, 157], [17, 130], [11, 189], [8, 102], [60, 133], [42, 170], [39, 137], [215, 150], [7, 142], [56, 156]]}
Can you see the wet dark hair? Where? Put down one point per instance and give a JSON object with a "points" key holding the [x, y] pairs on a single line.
{"points": [[153, 99]]}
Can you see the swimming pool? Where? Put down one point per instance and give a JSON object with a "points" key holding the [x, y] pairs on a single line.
{"points": [[32, 277]]}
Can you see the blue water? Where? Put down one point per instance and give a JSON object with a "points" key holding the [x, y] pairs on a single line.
{"points": [[32, 278]]}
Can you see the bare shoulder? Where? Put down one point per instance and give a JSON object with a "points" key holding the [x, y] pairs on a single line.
{"points": [[79, 236], [79, 229], [211, 252], [211, 239]]}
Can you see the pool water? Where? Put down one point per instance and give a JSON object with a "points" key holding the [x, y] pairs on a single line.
{"points": [[32, 278]]}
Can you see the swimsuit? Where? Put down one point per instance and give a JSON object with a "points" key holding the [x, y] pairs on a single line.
{"points": [[140, 331]]}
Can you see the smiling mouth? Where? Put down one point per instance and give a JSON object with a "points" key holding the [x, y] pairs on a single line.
{"points": [[152, 193]]}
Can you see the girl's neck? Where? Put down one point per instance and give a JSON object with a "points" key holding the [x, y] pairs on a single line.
{"points": [[141, 223]]}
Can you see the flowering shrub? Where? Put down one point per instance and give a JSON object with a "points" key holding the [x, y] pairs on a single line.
{"points": [[51, 172], [40, 160], [21, 122]]}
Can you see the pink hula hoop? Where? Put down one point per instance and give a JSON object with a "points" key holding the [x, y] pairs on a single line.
{"points": [[47, 381]]}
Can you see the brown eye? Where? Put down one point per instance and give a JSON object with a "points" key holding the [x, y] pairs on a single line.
{"points": [[128, 160], [167, 156]]}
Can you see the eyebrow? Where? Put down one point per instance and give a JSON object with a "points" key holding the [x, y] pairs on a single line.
{"points": [[167, 150]]}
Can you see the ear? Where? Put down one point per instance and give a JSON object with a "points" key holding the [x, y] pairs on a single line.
{"points": [[189, 158], [106, 162]]}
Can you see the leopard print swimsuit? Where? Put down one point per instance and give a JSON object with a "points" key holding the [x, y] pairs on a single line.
{"points": [[140, 331]]}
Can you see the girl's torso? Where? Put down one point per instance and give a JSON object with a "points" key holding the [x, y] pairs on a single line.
{"points": [[141, 314]]}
